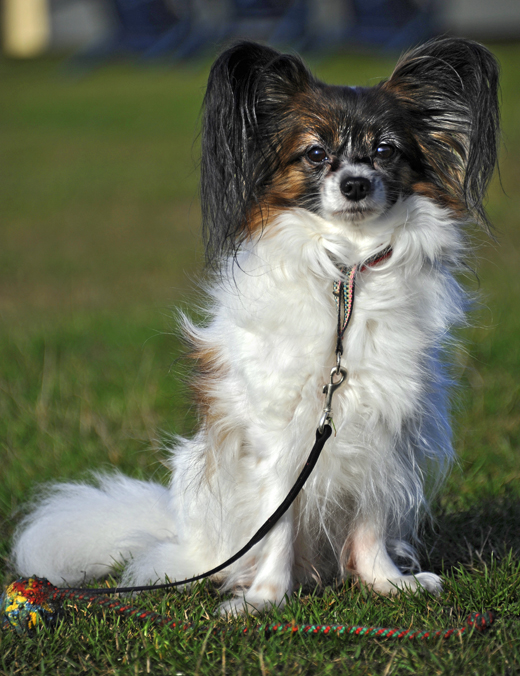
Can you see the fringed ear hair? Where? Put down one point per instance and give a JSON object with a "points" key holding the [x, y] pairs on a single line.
{"points": [[449, 87], [248, 89]]}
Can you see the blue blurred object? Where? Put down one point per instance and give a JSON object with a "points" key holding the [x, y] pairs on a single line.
{"points": [[278, 21], [182, 29], [247, 9], [140, 26], [283, 21], [392, 24], [141, 23]]}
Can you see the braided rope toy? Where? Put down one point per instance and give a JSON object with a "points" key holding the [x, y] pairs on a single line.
{"points": [[34, 601]]}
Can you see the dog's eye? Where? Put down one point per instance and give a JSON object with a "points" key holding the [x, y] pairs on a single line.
{"points": [[384, 151], [317, 155]]}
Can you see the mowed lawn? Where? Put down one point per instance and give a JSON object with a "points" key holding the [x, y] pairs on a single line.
{"points": [[99, 248]]}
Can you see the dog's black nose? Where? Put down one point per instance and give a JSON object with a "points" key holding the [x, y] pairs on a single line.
{"points": [[355, 188]]}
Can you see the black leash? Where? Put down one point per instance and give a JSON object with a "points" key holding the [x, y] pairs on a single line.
{"points": [[343, 292], [321, 438]]}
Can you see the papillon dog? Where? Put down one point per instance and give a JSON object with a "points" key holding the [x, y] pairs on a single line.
{"points": [[305, 185]]}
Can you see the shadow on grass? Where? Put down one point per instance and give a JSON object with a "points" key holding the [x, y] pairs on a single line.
{"points": [[472, 536]]}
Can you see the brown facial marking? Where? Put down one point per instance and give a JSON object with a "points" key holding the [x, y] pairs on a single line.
{"points": [[448, 163], [443, 198], [288, 186], [310, 119]]}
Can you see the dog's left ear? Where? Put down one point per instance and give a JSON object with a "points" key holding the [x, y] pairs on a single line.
{"points": [[449, 89], [249, 88]]}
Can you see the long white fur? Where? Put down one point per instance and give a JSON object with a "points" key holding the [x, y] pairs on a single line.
{"points": [[272, 328]]}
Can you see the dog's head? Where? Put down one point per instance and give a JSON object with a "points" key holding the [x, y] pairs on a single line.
{"points": [[276, 138]]}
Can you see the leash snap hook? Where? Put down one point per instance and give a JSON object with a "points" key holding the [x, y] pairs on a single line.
{"points": [[328, 391]]}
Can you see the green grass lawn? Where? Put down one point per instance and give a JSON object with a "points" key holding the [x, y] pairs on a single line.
{"points": [[99, 244]]}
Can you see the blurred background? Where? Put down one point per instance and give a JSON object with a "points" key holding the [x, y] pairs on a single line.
{"points": [[177, 29], [99, 223]]}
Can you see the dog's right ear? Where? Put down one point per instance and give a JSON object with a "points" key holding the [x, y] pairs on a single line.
{"points": [[449, 89], [248, 90]]}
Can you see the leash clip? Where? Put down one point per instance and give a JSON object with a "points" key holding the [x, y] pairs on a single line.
{"points": [[328, 391]]}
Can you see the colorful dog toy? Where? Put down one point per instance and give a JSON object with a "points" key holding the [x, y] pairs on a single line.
{"points": [[29, 602], [26, 603]]}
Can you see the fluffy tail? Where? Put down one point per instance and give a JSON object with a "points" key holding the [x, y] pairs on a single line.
{"points": [[79, 531]]}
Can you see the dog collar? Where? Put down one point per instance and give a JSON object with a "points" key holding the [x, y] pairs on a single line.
{"points": [[343, 292]]}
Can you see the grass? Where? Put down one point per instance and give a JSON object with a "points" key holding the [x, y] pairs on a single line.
{"points": [[99, 245]]}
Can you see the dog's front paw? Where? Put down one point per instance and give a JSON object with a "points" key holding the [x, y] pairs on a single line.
{"points": [[250, 603], [235, 606], [419, 582], [429, 582]]}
